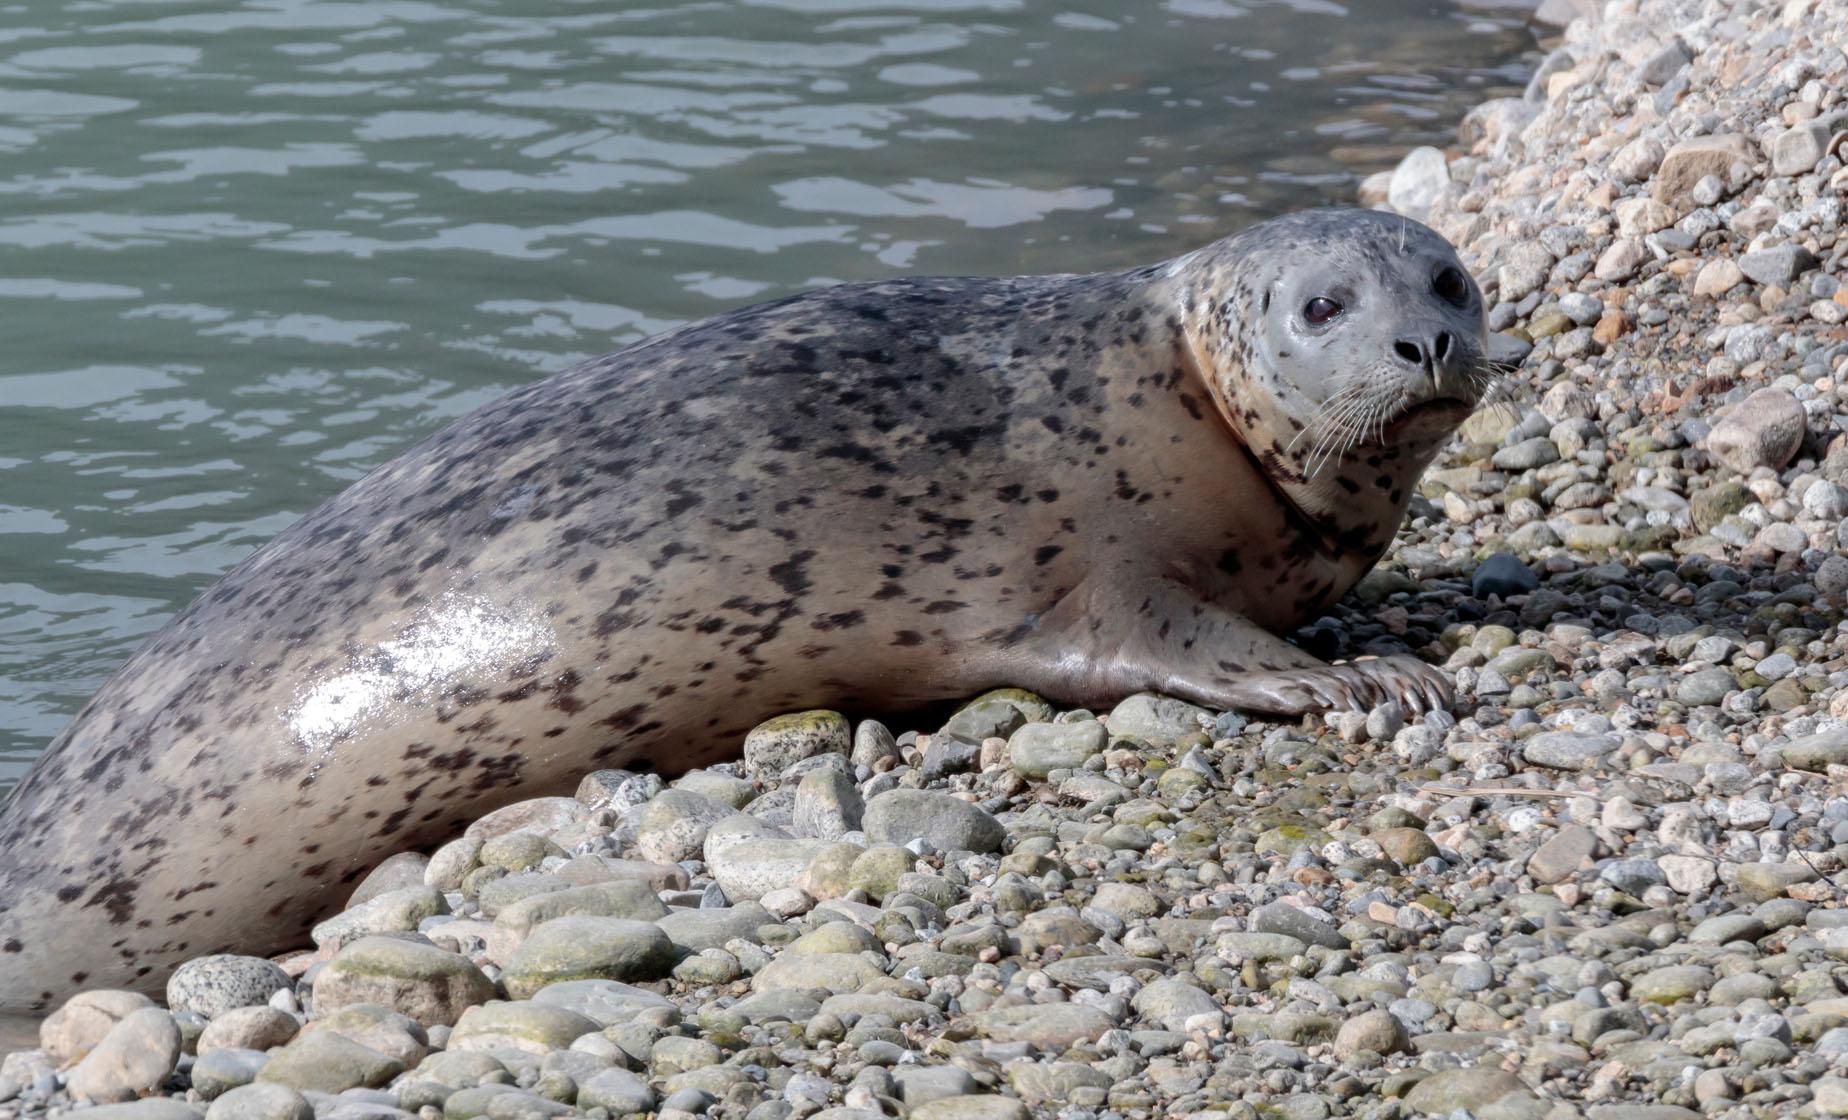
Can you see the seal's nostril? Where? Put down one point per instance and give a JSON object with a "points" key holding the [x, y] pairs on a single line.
{"points": [[1442, 348], [1409, 351]]}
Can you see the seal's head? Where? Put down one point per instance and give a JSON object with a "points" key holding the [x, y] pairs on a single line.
{"points": [[1343, 347]]}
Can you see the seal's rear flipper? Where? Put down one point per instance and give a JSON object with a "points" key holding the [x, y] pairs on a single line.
{"points": [[1507, 352]]}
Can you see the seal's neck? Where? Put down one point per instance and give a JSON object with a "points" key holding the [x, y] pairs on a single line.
{"points": [[1352, 498]]}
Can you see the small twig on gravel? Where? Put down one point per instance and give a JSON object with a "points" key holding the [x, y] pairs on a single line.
{"points": [[1509, 791]]}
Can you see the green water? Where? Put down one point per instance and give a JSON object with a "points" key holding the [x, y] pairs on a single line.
{"points": [[248, 251]]}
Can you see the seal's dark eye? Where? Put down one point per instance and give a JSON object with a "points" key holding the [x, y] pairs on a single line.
{"points": [[1451, 286], [1320, 310]]}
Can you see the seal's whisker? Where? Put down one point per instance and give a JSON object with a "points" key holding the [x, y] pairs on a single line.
{"points": [[1337, 433], [1325, 413]]}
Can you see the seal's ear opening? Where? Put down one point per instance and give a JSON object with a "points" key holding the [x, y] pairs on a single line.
{"points": [[1507, 352]]}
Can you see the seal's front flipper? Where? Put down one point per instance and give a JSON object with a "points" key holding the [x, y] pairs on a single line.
{"points": [[1119, 636], [1356, 686]]}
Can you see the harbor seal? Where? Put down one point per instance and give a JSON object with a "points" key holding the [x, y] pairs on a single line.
{"points": [[874, 496]]}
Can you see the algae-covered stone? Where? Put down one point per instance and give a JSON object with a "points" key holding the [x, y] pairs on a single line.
{"points": [[518, 851], [722, 788], [1671, 984], [748, 859], [616, 1091], [325, 1062], [261, 1101], [948, 823], [1037, 749], [523, 1025], [1817, 752], [1156, 719], [694, 930], [773, 745], [227, 1068], [621, 898], [584, 947], [835, 937], [1405, 846], [1474, 1089], [1288, 839], [426, 983], [829, 873], [986, 717], [878, 869], [835, 972], [392, 912], [1765, 881]]}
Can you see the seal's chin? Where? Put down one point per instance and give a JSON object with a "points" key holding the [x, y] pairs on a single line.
{"points": [[1435, 415]]}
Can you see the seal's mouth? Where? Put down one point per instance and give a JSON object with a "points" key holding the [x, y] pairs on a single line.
{"points": [[1447, 411]]}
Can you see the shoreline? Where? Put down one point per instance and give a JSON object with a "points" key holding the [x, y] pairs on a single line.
{"points": [[1611, 887]]}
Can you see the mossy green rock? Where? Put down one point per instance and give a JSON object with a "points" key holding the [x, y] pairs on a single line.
{"points": [[324, 1062], [777, 743], [1474, 1089], [519, 1025], [836, 972], [1672, 984], [878, 869], [1286, 840], [1406, 846], [835, 937], [1037, 749], [1715, 504], [986, 719], [622, 898], [518, 851], [426, 983], [392, 912], [616, 1091], [583, 947], [1156, 719], [830, 873], [499, 894], [1031, 704], [722, 788]]}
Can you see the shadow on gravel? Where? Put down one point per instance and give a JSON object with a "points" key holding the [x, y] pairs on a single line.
{"points": [[1633, 632]]}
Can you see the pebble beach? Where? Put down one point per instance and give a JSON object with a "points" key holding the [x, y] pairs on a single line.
{"points": [[1609, 885]]}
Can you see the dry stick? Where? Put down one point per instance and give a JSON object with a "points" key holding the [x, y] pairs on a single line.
{"points": [[1508, 791]]}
